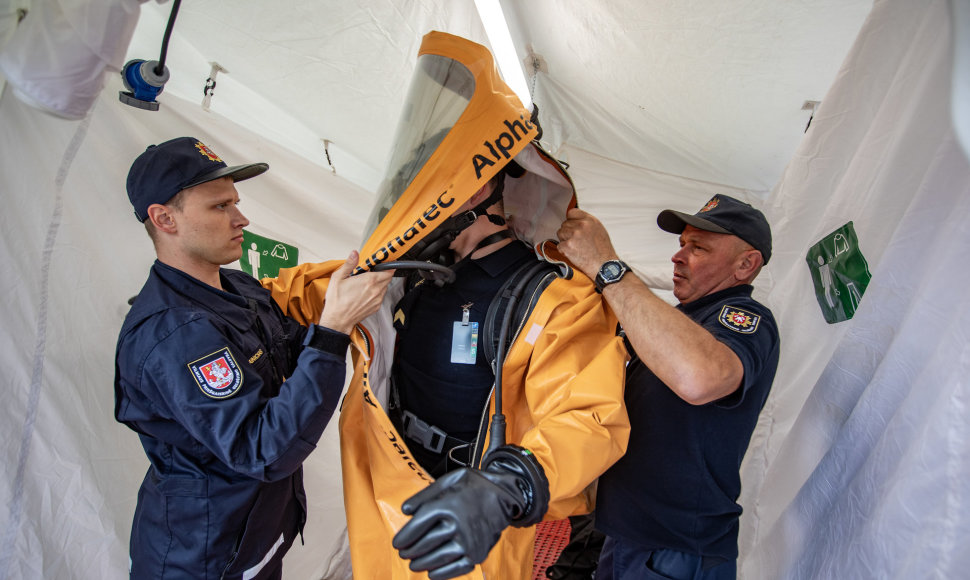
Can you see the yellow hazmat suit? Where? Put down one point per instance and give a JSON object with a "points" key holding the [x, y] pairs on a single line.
{"points": [[562, 387]]}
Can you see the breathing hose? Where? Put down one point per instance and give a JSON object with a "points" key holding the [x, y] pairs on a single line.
{"points": [[496, 428], [438, 271]]}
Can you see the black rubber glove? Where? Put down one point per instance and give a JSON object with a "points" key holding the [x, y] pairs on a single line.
{"points": [[459, 518]]}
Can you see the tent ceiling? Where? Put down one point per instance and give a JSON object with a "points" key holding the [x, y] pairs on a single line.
{"points": [[707, 89]]}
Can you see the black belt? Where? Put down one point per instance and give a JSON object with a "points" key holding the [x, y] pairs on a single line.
{"points": [[430, 437]]}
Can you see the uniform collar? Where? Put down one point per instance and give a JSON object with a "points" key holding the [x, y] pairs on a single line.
{"points": [[230, 306]]}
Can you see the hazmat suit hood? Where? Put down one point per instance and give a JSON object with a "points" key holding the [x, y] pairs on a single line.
{"points": [[461, 125]]}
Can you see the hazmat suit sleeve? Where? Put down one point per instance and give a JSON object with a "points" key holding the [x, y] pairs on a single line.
{"points": [[300, 291]]}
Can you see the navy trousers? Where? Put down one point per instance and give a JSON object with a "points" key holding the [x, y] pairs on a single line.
{"points": [[622, 560]]}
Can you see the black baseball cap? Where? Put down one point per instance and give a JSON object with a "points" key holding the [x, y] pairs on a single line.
{"points": [[165, 169], [725, 215]]}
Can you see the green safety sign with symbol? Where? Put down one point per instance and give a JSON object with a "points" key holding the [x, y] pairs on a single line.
{"points": [[264, 257], [840, 273]]}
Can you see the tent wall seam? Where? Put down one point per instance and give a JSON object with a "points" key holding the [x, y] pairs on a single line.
{"points": [[37, 368]]}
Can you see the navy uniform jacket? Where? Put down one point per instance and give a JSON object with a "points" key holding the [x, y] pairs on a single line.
{"points": [[678, 484], [199, 374]]}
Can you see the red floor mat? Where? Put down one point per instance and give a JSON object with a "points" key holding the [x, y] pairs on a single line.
{"points": [[551, 538]]}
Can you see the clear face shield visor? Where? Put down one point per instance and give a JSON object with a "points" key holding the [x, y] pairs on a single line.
{"points": [[440, 91]]}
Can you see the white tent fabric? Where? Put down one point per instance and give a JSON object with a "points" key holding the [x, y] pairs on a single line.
{"points": [[75, 255], [707, 90], [858, 465], [66, 83], [867, 477]]}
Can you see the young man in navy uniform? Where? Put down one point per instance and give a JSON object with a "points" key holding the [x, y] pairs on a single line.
{"points": [[227, 394], [699, 378]]}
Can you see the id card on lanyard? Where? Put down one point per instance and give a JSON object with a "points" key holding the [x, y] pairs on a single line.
{"points": [[464, 339]]}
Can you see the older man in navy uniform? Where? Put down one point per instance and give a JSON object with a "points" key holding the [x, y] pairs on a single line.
{"points": [[699, 378]]}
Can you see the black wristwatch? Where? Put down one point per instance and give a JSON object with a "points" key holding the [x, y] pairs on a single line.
{"points": [[611, 272]]}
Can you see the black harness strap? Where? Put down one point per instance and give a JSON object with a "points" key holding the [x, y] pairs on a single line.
{"points": [[537, 275], [527, 282]]}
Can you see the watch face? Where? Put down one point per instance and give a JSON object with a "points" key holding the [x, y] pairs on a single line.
{"points": [[611, 270]]}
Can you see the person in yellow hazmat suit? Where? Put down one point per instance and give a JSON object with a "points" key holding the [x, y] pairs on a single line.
{"points": [[488, 390]]}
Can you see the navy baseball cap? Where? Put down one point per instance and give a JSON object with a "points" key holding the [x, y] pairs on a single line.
{"points": [[725, 215], [165, 169]]}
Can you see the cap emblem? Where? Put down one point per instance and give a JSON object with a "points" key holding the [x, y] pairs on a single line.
{"points": [[739, 320], [206, 151], [710, 205], [217, 374]]}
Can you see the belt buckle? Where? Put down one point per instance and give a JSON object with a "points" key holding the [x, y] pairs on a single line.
{"points": [[430, 437]]}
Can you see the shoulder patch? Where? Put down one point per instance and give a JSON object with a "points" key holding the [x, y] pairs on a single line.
{"points": [[739, 320], [217, 374]]}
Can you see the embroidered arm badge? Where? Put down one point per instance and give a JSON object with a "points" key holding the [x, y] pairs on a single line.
{"points": [[739, 320], [217, 374]]}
